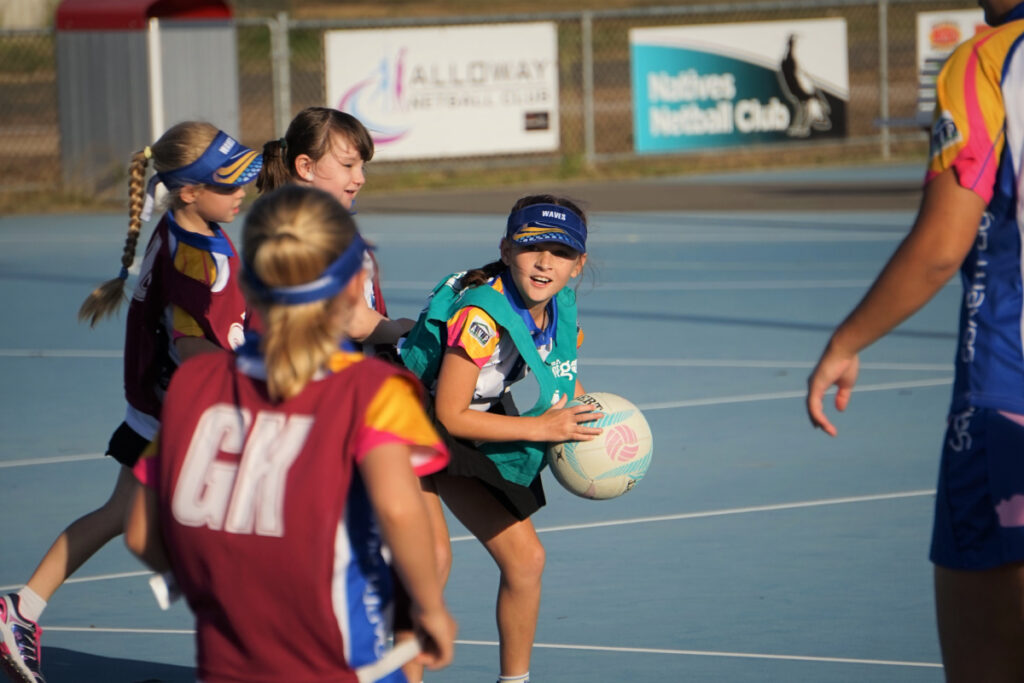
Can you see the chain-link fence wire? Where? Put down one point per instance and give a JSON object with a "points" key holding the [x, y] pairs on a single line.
{"points": [[29, 150], [29, 135]]}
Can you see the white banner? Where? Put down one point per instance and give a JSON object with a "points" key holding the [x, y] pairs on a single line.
{"points": [[448, 91]]}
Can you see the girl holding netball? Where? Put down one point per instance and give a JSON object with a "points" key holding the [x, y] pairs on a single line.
{"points": [[186, 302], [329, 149], [480, 333], [286, 458]]}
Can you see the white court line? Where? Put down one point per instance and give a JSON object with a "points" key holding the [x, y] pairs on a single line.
{"points": [[563, 646], [622, 522], [775, 396], [770, 364], [660, 286], [730, 511], [713, 653], [59, 353], [104, 629], [52, 461], [729, 285], [666, 405], [621, 362], [87, 579]]}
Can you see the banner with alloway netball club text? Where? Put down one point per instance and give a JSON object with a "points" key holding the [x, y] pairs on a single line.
{"points": [[736, 84], [450, 90]]}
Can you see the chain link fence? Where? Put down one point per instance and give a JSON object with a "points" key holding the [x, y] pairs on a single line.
{"points": [[281, 71]]}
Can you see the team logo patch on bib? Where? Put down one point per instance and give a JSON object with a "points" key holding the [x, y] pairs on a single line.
{"points": [[944, 134]]}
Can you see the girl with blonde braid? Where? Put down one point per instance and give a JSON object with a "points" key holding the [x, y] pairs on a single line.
{"points": [[281, 470], [187, 301]]}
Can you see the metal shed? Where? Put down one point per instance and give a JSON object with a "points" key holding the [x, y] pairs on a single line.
{"points": [[129, 69]]}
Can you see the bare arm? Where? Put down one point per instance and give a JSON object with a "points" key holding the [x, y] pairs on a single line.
{"points": [[455, 386], [367, 326], [395, 493], [942, 235], [142, 529]]}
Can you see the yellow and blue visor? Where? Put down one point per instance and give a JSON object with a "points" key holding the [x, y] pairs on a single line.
{"points": [[224, 162], [547, 223]]}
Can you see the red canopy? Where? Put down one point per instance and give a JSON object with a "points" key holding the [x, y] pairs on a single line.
{"points": [[106, 15]]}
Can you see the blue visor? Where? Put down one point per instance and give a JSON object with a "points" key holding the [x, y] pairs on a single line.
{"points": [[547, 223], [332, 281], [224, 162]]}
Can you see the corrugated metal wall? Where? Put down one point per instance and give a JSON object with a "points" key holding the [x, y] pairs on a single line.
{"points": [[104, 93], [103, 104], [200, 66]]}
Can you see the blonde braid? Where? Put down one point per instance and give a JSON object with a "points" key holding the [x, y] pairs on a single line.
{"points": [[107, 298]]}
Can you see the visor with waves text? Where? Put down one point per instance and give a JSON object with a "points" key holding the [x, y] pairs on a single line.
{"points": [[547, 223], [332, 281], [224, 162]]}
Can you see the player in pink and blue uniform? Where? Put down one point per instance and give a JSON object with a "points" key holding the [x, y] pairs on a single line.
{"points": [[971, 218]]}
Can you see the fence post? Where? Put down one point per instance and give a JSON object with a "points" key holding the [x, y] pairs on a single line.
{"points": [[587, 40], [280, 69], [883, 76]]}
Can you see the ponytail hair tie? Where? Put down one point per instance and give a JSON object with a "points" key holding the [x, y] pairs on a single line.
{"points": [[147, 152], [123, 275], [284, 145]]}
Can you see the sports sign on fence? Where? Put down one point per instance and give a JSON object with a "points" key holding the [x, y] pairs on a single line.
{"points": [[449, 91], [736, 84], [938, 33]]}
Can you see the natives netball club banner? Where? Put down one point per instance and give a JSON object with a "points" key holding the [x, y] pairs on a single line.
{"points": [[736, 84], [449, 91], [938, 33]]}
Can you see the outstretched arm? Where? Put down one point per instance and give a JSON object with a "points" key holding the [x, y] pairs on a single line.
{"points": [[367, 326], [942, 235]]}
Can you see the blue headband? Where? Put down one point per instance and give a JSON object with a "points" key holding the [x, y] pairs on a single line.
{"points": [[224, 162], [547, 223], [332, 281]]}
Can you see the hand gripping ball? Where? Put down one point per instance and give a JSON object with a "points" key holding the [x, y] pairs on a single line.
{"points": [[611, 464]]}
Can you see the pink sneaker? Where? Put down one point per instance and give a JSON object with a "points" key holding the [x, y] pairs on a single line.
{"points": [[19, 642]]}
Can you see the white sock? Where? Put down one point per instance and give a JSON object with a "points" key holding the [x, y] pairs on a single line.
{"points": [[30, 604], [521, 678]]}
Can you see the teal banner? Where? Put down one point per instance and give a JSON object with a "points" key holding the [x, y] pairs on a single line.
{"points": [[689, 99]]}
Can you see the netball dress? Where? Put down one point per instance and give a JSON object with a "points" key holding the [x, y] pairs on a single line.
{"points": [[271, 533], [188, 286]]}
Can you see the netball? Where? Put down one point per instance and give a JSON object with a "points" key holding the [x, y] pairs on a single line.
{"points": [[615, 461]]}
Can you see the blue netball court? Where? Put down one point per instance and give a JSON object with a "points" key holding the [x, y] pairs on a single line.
{"points": [[756, 549]]}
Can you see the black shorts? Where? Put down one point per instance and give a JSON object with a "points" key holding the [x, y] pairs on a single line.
{"points": [[467, 461], [126, 445]]}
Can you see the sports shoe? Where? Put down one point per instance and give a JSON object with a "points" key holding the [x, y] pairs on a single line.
{"points": [[19, 642]]}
